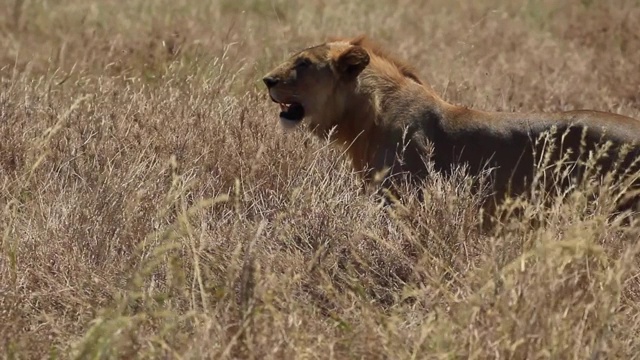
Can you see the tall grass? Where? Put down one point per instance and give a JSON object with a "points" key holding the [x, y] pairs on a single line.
{"points": [[152, 208]]}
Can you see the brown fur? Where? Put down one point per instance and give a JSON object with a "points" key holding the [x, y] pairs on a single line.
{"points": [[388, 119], [405, 69]]}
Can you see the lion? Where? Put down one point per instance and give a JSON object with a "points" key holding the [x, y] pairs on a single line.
{"points": [[390, 122]]}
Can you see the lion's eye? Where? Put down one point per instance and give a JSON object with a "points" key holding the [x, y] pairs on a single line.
{"points": [[303, 63]]}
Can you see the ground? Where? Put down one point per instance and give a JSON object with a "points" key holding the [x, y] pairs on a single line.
{"points": [[152, 208]]}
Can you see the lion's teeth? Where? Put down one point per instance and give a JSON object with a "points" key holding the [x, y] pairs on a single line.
{"points": [[284, 107]]}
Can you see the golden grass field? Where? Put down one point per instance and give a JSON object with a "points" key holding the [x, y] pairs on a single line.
{"points": [[153, 208]]}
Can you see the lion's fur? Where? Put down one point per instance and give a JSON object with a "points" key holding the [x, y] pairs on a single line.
{"points": [[385, 110], [405, 69]]}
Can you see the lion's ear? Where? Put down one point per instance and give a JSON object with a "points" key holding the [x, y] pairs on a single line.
{"points": [[352, 61]]}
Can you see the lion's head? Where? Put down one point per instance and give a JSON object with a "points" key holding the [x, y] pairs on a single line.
{"points": [[314, 83]]}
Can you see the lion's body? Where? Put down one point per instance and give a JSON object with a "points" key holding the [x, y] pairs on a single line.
{"points": [[389, 120]]}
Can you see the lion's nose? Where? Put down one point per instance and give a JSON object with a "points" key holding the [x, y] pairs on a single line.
{"points": [[270, 81]]}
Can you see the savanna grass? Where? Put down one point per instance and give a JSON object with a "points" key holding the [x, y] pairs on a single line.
{"points": [[152, 208]]}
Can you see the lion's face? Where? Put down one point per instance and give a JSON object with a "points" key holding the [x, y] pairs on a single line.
{"points": [[310, 83]]}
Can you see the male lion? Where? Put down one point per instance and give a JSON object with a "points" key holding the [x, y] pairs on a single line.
{"points": [[390, 121]]}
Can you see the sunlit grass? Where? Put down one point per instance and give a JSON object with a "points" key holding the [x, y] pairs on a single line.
{"points": [[152, 208]]}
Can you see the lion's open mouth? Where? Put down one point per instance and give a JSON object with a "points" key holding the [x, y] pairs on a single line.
{"points": [[293, 111]]}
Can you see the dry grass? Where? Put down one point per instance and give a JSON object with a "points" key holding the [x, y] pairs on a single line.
{"points": [[152, 208]]}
